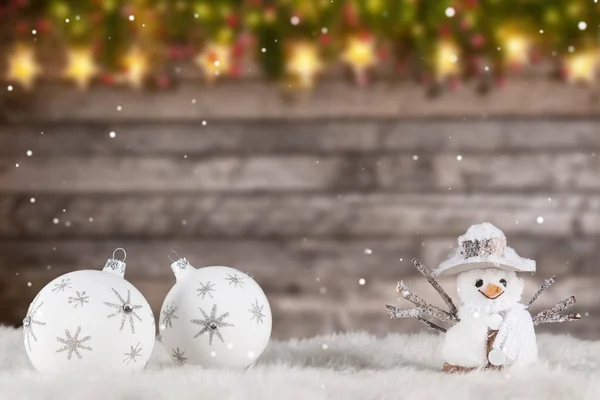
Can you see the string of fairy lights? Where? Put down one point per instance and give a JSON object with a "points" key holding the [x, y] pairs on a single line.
{"points": [[118, 42]]}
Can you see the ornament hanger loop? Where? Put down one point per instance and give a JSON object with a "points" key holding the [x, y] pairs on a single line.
{"points": [[173, 252], [124, 253]]}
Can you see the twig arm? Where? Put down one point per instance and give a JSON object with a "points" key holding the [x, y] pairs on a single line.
{"points": [[403, 292], [542, 289], [427, 274], [418, 311], [396, 312], [431, 325], [552, 314], [557, 308], [555, 318], [413, 313]]}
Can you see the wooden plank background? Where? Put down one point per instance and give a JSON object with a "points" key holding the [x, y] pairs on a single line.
{"points": [[308, 195]]}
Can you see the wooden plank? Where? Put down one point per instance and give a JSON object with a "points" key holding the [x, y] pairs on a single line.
{"points": [[271, 215], [41, 175], [573, 171], [338, 173], [300, 136], [190, 138], [330, 99], [504, 135]]}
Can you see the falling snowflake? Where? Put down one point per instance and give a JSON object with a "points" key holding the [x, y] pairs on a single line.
{"points": [[236, 281], [211, 324], [169, 314], [125, 309], [178, 355], [72, 344], [257, 313], [29, 321], [79, 300], [64, 284], [205, 289], [135, 352]]}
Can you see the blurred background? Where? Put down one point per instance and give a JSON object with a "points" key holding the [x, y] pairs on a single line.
{"points": [[318, 145]]}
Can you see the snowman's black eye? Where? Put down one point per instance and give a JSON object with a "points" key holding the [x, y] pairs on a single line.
{"points": [[479, 283], [503, 281]]}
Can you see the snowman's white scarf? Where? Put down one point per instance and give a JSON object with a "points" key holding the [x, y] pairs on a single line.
{"points": [[516, 336]]}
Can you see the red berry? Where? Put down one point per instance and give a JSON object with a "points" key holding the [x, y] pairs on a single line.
{"points": [[233, 20], [235, 70], [22, 27], [383, 53], [325, 39], [465, 24], [108, 79], [163, 81], [444, 31], [477, 40], [43, 25], [454, 84]]}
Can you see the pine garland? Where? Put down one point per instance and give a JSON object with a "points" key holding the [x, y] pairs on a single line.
{"points": [[408, 32]]}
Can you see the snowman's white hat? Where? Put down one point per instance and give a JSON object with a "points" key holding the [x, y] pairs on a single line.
{"points": [[484, 246]]}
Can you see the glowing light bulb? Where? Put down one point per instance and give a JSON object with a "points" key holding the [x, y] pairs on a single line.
{"points": [[22, 67], [81, 67], [304, 63]]}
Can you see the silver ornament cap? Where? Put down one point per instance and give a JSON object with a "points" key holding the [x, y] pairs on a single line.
{"points": [[180, 266], [114, 265]]}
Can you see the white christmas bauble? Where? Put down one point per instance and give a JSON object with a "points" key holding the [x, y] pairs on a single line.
{"points": [[214, 317], [89, 320]]}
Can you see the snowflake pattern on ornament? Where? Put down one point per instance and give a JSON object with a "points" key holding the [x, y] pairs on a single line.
{"points": [[257, 312], [64, 284], [168, 315], [78, 300], [72, 343], [178, 356], [125, 309], [205, 289], [212, 324], [235, 280], [31, 320], [133, 353]]}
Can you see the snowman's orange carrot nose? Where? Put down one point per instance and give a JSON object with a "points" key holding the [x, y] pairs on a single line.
{"points": [[492, 290]]}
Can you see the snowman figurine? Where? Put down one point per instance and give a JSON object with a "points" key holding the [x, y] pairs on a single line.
{"points": [[490, 328], [494, 328]]}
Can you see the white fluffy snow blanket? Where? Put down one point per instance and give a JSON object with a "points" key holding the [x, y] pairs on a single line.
{"points": [[348, 366]]}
